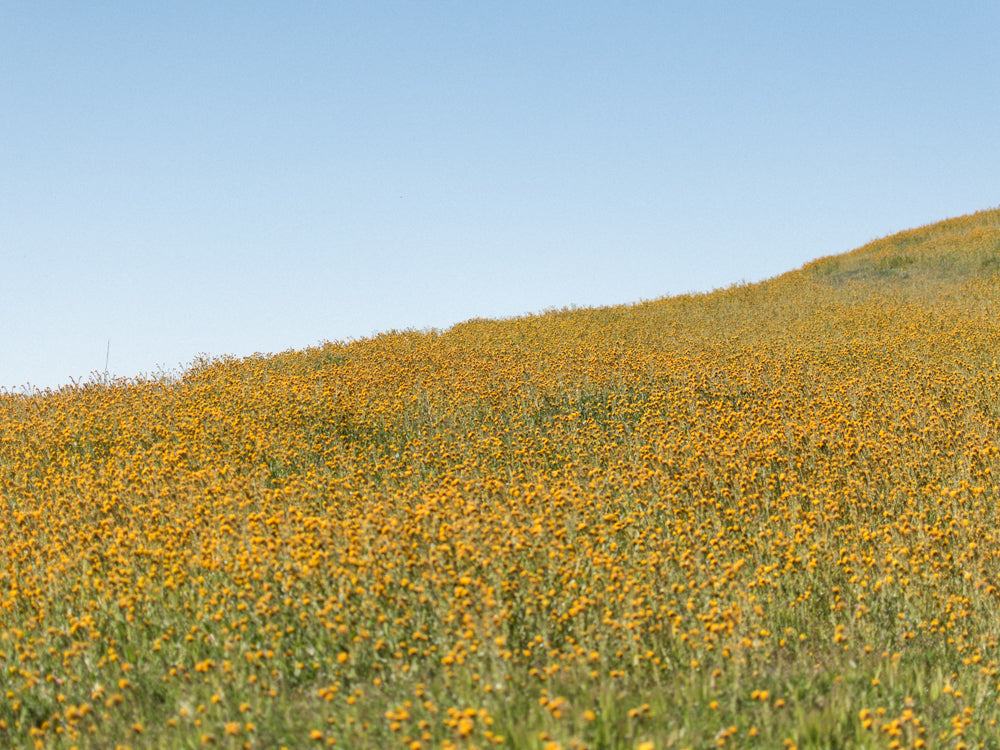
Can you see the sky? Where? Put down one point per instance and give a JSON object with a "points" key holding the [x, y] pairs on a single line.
{"points": [[182, 179]]}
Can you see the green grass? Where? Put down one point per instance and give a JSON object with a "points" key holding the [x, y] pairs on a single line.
{"points": [[761, 517]]}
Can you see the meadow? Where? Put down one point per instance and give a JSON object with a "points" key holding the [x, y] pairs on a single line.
{"points": [[763, 517]]}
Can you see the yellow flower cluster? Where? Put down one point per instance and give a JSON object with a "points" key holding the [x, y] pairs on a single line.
{"points": [[767, 514]]}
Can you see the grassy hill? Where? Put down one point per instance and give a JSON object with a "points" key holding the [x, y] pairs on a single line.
{"points": [[762, 517]]}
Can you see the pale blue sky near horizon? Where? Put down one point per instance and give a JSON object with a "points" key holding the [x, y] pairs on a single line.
{"points": [[227, 178]]}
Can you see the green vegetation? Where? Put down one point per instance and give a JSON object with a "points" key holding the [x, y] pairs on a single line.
{"points": [[762, 517]]}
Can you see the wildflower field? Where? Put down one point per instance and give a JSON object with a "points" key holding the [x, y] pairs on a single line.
{"points": [[767, 516]]}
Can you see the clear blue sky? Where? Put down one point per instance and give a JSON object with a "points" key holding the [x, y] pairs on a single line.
{"points": [[229, 177]]}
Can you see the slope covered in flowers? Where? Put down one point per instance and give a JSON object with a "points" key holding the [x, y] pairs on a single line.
{"points": [[764, 515]]}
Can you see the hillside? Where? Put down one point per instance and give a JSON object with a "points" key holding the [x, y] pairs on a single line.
{"points": [[769, 514]]}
